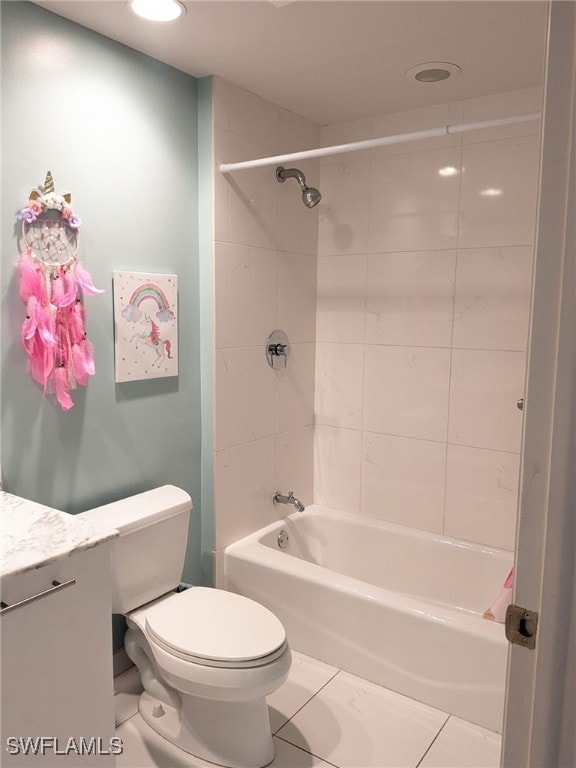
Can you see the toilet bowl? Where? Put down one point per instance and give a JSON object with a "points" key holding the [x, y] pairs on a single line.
{"points": [[207, 658]]}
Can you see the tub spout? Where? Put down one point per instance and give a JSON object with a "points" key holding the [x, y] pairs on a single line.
{"points": [[278, 498]]}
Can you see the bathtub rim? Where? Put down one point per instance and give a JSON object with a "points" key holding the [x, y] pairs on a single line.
{"points": [[318, 510]]}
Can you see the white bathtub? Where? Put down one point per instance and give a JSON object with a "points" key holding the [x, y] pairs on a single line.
{"points": [[400, 607]]}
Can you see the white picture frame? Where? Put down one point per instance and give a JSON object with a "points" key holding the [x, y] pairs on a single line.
{"points": [[145, 325]]}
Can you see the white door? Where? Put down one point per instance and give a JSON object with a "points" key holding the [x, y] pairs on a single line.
{"points": [[540, 713]]}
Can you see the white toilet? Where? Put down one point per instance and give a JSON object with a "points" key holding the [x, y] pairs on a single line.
{"points": [[208, 658]]}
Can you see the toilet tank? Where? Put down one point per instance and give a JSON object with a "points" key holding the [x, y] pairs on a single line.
{"points": [[148, 557]]}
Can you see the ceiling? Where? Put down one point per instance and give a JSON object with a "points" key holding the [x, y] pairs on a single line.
{"points": [[336, 60]]}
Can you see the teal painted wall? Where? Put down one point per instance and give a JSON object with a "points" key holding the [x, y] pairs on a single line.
{"points": [[119, 130]]}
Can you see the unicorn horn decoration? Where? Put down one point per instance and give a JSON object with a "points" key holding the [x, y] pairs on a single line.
{"points": [[48, 184]]}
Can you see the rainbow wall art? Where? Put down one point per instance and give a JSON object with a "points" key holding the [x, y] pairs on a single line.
{"points": [[145, 325]]}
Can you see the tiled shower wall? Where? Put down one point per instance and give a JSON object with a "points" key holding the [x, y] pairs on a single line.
{"points": [[424, 279], [265, 278]]}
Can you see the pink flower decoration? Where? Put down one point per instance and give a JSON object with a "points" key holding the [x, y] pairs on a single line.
{"points": [[67, 212], [35, 206]]}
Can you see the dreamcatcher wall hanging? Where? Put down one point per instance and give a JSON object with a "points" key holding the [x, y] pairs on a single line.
{"points": [[52, 284]]}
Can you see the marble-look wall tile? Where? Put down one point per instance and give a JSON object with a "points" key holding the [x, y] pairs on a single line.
{"points": [[409, 298], [341, 298], [503, 105], [412, 206], [421, 119], [252, 395], [222, 184], [339, 381], [253, 295], [406, 391], [253, 117], [295, 465], [221, 399], [295, 389], [345, 133], [224, 515], [253, 197], [296, 134], [221, 295], [492, 305], [265, 278], [432, 280], [243, 489], [297, 296], [482, 495], [485, 386], [498, 195], [220, 102], [345, 206], [403, 480], [409, 330], [337, 465]]}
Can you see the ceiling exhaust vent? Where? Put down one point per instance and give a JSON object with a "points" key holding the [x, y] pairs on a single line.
{"points": [[433, 72]]}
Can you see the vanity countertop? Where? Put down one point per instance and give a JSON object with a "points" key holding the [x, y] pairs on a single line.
{"points": [[33, 535]]}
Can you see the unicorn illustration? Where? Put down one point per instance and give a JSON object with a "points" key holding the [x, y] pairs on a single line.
{"points": [[152, 339]]}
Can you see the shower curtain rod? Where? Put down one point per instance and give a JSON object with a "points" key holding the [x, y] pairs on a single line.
{"points": [[430, 133]]}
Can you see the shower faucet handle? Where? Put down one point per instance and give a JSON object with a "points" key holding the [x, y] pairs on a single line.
{"points": [[277, 350]]}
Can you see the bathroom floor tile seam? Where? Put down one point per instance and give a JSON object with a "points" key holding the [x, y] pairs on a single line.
{"points": [[318, 697], [444, 724], [363, 684], [305, 704], [307, 752], [324, 760]]}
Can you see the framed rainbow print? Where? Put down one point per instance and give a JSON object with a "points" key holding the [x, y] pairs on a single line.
{"points": [[145, 325]]}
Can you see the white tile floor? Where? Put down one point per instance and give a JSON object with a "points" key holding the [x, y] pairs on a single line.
{"points": [[324, 717]]}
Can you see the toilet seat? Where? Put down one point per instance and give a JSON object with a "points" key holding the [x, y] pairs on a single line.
{"points": [[215, 628]]}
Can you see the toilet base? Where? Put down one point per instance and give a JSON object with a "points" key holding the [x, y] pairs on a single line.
{"points": [[231, 734]]}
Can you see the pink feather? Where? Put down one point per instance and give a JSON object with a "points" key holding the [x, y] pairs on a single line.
{"points": [[30, 279], [41, 364], [76, 322], [57, 291], [46, 326], [70, 289], [85, 281], [87, 349], [79, 365], [31, 323], [62, 388]]}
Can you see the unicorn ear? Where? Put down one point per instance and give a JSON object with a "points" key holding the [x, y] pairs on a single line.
{"points": [[35, 194], [67, 196]]}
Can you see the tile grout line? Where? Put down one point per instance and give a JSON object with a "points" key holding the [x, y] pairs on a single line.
{"points": [[450, 368], [419, 763], [306, 751], [305, 703]]}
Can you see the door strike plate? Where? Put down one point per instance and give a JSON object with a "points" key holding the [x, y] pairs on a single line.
{"points": [[520, 626]]}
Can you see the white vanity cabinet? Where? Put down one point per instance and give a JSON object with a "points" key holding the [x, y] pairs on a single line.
{"points": [[56, 662]]}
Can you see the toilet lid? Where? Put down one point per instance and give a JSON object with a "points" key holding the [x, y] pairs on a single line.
{"points": [[215, 626]]}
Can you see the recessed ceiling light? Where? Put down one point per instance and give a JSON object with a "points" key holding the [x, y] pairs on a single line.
{"points": [[157, 10], [491, 192], [448, 170], [433, 72]]}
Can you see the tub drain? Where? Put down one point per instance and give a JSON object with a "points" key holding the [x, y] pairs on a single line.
{"points": [[283, 539]]}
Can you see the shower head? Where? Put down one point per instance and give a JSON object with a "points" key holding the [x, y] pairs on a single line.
{"points": [[310, 195]]}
